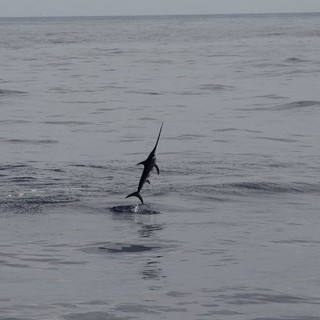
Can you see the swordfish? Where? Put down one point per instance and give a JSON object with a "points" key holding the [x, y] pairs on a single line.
{"points": [[148, 164]]}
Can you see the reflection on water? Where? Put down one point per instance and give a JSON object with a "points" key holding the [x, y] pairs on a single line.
{"points": [[151, 269], [117, 248], [148, 230]]}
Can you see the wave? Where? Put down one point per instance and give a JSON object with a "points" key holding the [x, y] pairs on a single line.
{"points": [[67, 123], [188, 137], [146, 92], [32, 201], [270, 187], [10, 92], [295, 60], [12, 166], [20, 179], [13, 121], [254, 187], [235, 129], [297, 105], [277, 139], [215, 87], [28, 141]]}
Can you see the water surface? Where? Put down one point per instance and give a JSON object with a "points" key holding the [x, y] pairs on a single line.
{"points": [[230, 229]]}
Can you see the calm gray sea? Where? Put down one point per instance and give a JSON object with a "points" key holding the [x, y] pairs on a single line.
{"points": [[230, 228]]}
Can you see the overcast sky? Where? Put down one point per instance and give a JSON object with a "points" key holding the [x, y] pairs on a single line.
{"points": [[144, 7]]}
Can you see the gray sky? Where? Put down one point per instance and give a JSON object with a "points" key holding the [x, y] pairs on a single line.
{"points": [[143, 7]]}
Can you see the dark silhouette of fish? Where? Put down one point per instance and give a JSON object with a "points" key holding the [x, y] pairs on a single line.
{"points": [[149, 164]]}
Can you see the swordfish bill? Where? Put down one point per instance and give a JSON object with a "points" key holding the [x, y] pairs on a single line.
{"points": [[148, 164]]}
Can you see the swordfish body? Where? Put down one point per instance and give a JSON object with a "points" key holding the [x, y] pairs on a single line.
{"points": [[148, 164]]}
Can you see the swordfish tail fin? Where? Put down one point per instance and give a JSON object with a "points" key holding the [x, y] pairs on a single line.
{"points": [[135, 194]]}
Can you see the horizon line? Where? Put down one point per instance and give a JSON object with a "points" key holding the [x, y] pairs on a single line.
{"points": [[163, 15]]}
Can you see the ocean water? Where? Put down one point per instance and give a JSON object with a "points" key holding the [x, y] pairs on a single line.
{"points": [[230, 228]]}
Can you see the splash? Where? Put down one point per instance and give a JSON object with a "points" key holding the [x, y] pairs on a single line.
{"points": [[137, 209]]}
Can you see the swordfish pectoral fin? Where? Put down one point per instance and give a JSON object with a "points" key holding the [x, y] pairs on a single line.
{"points": [[148, 181], [135, 194], [157, 168]]}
